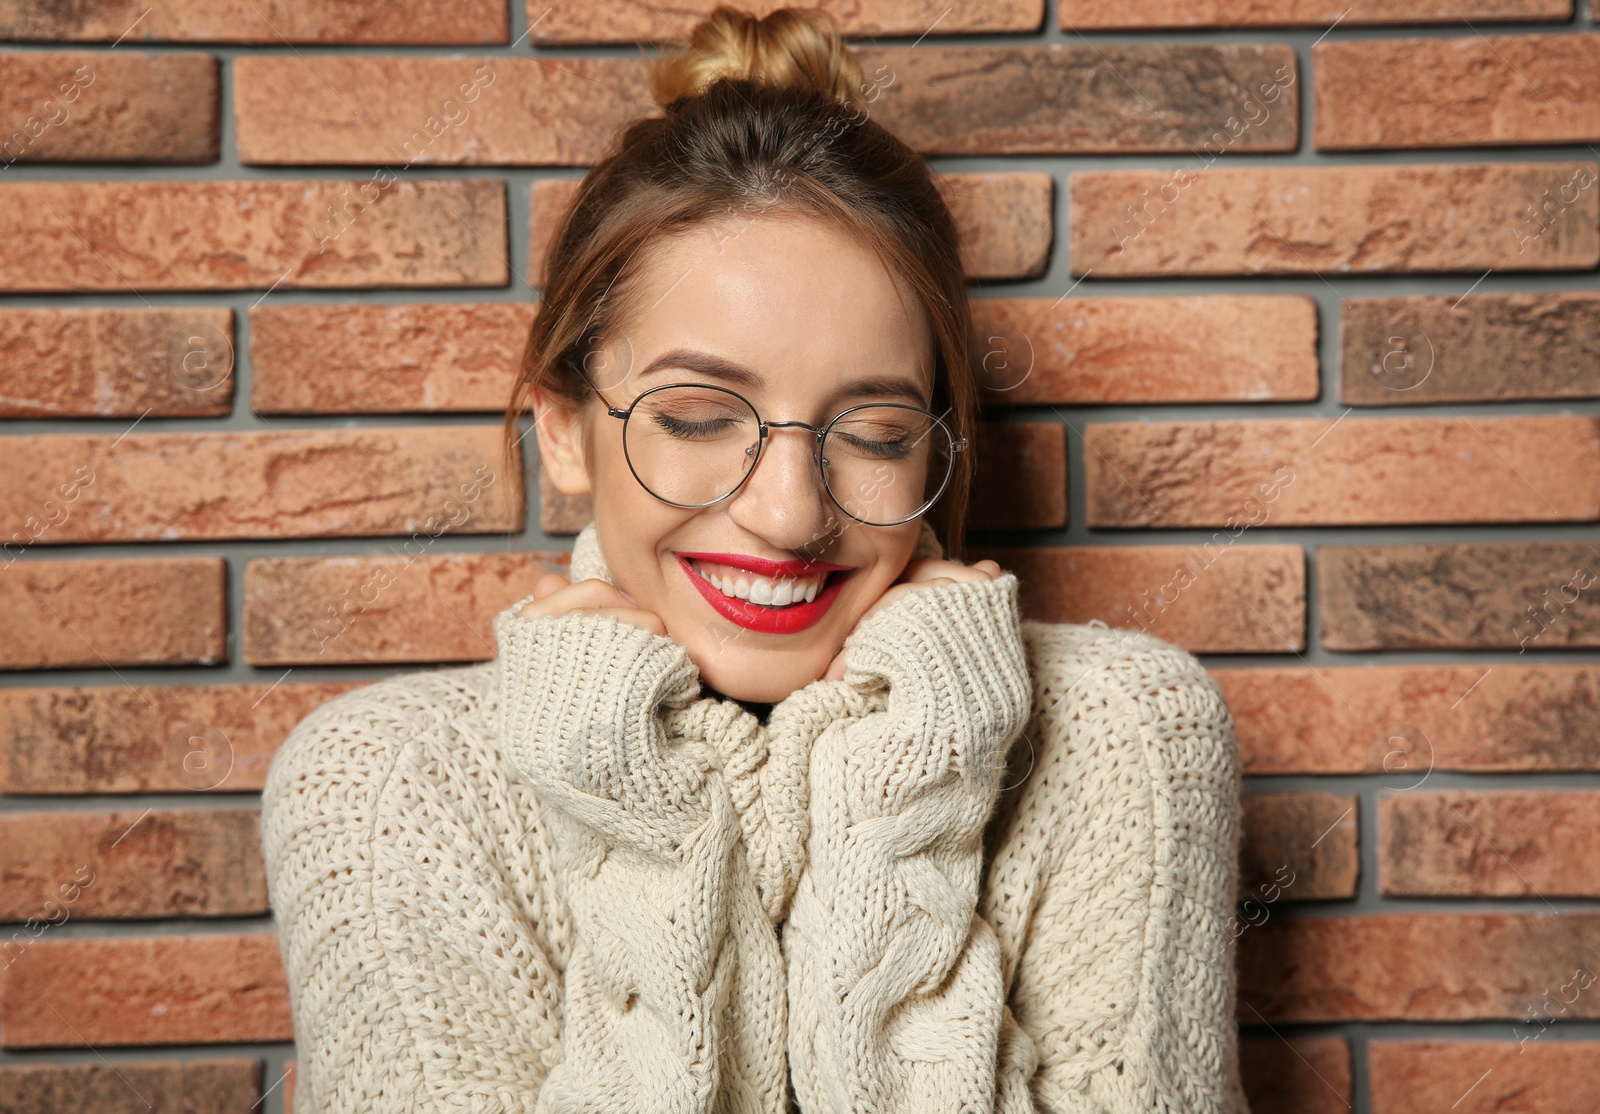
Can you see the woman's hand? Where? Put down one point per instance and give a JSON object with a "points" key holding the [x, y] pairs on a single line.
{"points": [[555, 596], [918, 575]]}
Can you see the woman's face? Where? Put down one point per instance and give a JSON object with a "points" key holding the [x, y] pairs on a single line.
{"points": [[803, 321]]}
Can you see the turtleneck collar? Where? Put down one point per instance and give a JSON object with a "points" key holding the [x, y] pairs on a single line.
{"points": [[588, 563]]}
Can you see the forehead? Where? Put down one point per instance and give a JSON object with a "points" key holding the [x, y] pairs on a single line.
{"points": [[796, 299]]}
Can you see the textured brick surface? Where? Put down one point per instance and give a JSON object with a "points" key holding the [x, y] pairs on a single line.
{"points": [[1504, 843], [1300, 846], [121, 738], [1306, 1075], [432, 357], [164, 862], [150, 1087], [1414, 967], [199, 988], [285, 484], [1404, 721], [1525, 1074], [957, 100], [1086, 15], [1197, 348], [1471, 90], [1424, 349], [416, 109], [419, 607], [169, 611], [88, 106], [1349, 471], [1336, 219], [113, 363], [1021, 483], [1475, 595], [1253, 602], [1005, 221], [315, 233], [273, 22], [1105, 98], [606, 21]]}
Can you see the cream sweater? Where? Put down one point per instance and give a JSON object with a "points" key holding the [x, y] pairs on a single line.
{"points": [[562, 880]]}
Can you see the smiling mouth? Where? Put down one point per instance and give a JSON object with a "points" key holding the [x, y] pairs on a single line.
{"points": [[763, 591]]}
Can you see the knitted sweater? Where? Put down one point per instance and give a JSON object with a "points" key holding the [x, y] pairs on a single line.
{"points": [[990, 870]]}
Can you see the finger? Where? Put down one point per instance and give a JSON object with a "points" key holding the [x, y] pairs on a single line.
{"points": [[548, 583], [584, 594], [990, 567], [835, 671]]}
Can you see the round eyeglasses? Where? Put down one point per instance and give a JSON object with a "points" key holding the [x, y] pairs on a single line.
{"points": [[692, 445]]}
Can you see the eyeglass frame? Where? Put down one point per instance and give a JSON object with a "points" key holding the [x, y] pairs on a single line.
{"points": [[957, 445]]}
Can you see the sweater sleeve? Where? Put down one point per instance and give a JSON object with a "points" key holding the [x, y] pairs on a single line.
{"points": [[673, 990], [895, 988], [1113, 881]]}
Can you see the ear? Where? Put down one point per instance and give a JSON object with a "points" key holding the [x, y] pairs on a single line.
{"points": [[559, 427]]}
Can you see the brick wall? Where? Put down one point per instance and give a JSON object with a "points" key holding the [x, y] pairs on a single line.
{"points": [[1290, 319]]}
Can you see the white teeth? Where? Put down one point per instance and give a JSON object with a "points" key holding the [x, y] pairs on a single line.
{"points": [[765, 590]]}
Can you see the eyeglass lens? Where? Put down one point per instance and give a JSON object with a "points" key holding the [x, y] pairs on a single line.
{"points": [[693, 445]]}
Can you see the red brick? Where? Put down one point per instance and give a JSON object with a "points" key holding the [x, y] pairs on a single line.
{"points": [[1305, 1075], [1124, 587], [1414, 966], [116, 363], [1442, 348], [1190, 348], [166, 862], [1021, 483], [274, 22], [1342, 472], [438, 357], [283, 484], [281, 234], [1404, 721], [120, 738], [1462, 596], [1006, 222], [131, 1087], [952, 100], [1299, 846], [479, 111], [1391, 218], [1525, 1075], [561, 514], [1509, 843], [422, 608], [190, 989], [1461, 91], [615, 21], [169, 611], [101, 107], [1109, 98], [1104, 15]]}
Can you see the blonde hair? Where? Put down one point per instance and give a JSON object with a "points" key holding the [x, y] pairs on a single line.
{"points": [[757, 115], [793, 48]]}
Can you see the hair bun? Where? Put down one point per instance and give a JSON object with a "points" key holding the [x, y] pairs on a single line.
{"points": [[791, 48]]}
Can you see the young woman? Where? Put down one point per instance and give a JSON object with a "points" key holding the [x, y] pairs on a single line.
{"points": [[772, 805]]}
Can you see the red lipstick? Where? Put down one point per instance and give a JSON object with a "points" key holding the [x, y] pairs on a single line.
{"points": [[763, 566], [792, 619]]}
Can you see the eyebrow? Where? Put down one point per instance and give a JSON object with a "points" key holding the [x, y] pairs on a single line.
{"points": [[717, 368]]}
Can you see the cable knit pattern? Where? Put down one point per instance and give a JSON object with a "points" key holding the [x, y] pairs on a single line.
{"points": [[989, 870]]}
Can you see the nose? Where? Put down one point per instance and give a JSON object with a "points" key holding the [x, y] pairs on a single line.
{"points": [[783, 501]]}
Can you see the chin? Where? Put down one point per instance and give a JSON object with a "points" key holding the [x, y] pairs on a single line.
{"points": [[755, 676]]}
